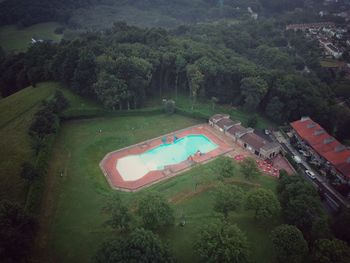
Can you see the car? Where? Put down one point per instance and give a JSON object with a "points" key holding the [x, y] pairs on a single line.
{"points": [[310, 174], [297, 159], [267, 132], [304, 153]]}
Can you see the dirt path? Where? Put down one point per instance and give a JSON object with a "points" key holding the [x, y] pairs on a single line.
{"points": [[188, 194], [41, 249]]}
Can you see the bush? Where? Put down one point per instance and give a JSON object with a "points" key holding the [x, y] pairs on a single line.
{"points": [[169, 106], [155, 211], [289, 244], [225, 167]]}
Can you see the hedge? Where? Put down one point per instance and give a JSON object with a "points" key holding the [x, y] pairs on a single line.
{"points": [[85, 114], [193, 114]]}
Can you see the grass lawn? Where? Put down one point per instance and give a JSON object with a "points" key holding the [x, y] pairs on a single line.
{"points": [[71, 220], [205, 107], [16, 113], [13, 39], [330, 63]]}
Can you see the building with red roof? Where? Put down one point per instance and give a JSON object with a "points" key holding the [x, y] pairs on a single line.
{"points": [[323, 146]]}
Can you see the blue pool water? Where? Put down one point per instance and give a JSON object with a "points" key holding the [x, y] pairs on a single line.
{"points": [[173, 153]]}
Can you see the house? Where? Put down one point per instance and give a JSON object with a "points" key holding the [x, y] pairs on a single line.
{"points": [[213, 120], [237, 131], [35, 40], [323, 147], [245, 136], [333, 50], [259, 146]]}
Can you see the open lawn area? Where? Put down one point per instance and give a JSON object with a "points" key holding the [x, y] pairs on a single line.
{"points": [[14, 39], [205, 107], [72, 225], [16, 113]]}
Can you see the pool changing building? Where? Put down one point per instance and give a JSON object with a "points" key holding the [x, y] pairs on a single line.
{"points": [[246, 137]]}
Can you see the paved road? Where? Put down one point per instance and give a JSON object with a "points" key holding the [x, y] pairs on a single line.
{"points": [[334, 199]]}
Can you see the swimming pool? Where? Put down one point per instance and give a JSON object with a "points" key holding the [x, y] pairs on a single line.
{"points": [[134, 167]]}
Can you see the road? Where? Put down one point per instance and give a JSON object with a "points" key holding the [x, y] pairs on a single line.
{"points": [[333, 198]]}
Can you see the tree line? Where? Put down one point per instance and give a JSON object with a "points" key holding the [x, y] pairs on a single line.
{"points": [[18, 224], [248, 65]]}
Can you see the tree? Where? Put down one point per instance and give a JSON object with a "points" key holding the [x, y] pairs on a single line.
{"points": [[222, 243], [330, 251], [140, 246], [169, 107], [60, 102], [253, 89], [264, 203], [228, 198], [252, 121], [44, 122], [303, 211], [274, 109], [340, 226], [120, 216], [85, 74], [225, 167], [289, 244], [180, 64], [195, 80], [137, 73], [110, 90], [249, 169], [17, 230], [214, 101], [28, 171], [155, 211]]}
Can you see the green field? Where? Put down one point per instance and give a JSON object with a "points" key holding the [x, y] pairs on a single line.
{"points": [[71, 220], [205, 108], [330, 63], [13, 39], [16, 113]]}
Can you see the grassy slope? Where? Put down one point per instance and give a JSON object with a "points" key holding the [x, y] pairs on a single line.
{"points": [[72, 223], [16, 40], [16, 113]]}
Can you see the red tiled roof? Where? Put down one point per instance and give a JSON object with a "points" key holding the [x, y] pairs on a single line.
{"points": [[324, 144]]}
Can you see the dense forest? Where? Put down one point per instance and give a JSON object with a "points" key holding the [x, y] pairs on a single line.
{"points": [[250, 64]]}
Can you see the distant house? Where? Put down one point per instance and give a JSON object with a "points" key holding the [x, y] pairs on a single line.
{"points": [[332, 50], [35, 40], [323, 147], [246, 137], [308, 26]]}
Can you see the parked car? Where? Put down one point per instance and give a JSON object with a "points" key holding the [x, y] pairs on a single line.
{"points": [[297, 159], [310, 174], [304, 153]]}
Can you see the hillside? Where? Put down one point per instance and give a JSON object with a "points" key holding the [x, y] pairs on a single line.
{"points": [[14, 39], [16, 112]]}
